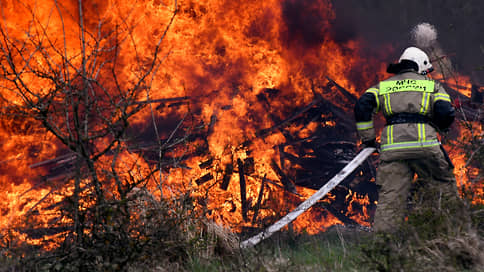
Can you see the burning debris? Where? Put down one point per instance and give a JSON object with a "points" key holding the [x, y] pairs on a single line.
{"points": [[249, 117], [305, 161]]}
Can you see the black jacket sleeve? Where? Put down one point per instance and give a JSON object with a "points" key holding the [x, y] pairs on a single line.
{"points": [[444, 115], [364, 107]]}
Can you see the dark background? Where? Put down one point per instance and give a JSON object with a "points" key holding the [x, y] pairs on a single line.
{"points": [[460, 27]]}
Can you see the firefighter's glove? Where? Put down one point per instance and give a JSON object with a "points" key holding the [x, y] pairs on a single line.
{"points": [[370, 143]]}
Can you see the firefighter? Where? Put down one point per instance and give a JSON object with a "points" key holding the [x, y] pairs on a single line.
{"points": [[416, 108]]}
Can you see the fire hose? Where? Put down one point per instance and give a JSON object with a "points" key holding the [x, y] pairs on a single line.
{"points": [[338, 178]]}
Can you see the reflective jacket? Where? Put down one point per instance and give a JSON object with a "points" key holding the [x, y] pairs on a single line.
{"points": [[415, 108]]}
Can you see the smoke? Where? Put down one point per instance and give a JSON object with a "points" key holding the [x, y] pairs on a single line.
{"points": [[459, 25], [424, 35], [307, 21]]}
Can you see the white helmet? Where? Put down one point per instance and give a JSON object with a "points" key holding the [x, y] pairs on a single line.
{"points": [[419, 57]]}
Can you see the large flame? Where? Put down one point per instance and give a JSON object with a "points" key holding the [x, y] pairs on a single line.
{"points": [[218, 57]]}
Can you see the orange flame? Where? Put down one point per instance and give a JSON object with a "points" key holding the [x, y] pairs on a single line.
{"points": [[220, 56]]}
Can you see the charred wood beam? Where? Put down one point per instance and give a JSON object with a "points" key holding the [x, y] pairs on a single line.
{"points": [[249, 166], [341, 116], [477, 95], [243, 192], [201, 149], [318, 103], [267, 93], [293, 159], [298, 141], [280, 186], [229, 169], [352, 98], [206, 164], [267, 131], [262, 96], [39, 233], [341, 217], [340, 143], [281, 155], [259, 201], [171, 105], [204, 179], [315, 179], [317, 161], [288, 185], [273, 182], [211, 125]]}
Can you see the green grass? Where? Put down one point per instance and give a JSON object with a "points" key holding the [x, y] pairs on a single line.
{"points": [[342, 249], [434, 238], [330, 251], [338, 249], [335, 250]]}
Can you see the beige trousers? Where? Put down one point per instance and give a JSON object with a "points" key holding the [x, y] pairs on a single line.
{"points": [[396, 179]]}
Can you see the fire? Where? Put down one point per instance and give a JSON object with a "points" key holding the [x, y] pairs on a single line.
{"points": [[459, 82], [467, 170], [234, 72], [464, 146]]}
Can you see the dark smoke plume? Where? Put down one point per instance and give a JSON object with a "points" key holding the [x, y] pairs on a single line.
{"points": [[379, 23]]}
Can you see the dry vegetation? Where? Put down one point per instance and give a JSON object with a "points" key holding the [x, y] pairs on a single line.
{"points": [[126, 228]]}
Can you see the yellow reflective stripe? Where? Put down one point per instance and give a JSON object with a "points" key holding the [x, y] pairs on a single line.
{"points": [[364, 125], [413, 144], [374, 91], [388, 107], [444, 97], [421, 131], [425, 103], [390, 134], [389, 137], [422, 103], [406, 85]]}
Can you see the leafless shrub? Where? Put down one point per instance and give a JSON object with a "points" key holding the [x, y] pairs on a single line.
{"points": [[80, 94]]}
